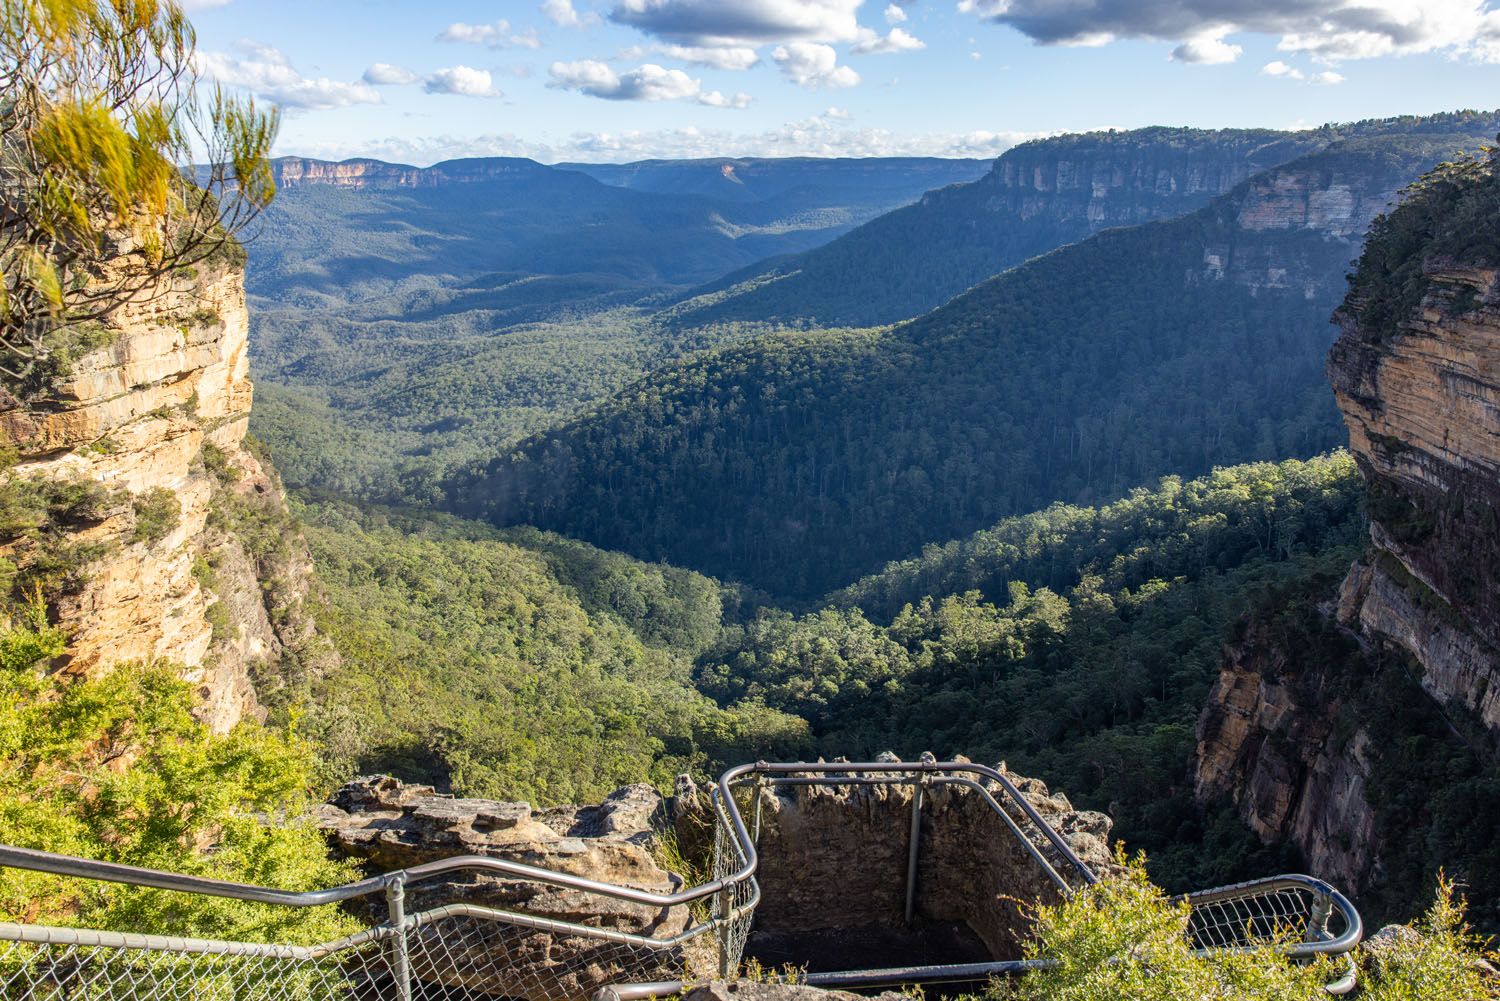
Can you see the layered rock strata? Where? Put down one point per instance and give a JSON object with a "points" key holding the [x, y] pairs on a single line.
{"points": [[154, 422], [1421, 398]]}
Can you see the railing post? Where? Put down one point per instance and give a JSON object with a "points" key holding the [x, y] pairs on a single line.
{"points": [[726, 932], [395, 899], [1317, 918], [914, 843]]}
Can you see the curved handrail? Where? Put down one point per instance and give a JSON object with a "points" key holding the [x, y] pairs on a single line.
{"points": [[1345, 941], [912, 767]]}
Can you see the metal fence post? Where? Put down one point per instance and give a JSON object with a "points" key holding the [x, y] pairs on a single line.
{"points": [[395, 898], [1317, 918], [914, 843], [726, 932]]}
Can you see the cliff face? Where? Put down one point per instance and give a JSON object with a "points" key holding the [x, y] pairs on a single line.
{"points": [[1423, 408], [296, 171], [1296, 226], [1110, 182], [1269, 741], [151, 425], [1418, 383]]}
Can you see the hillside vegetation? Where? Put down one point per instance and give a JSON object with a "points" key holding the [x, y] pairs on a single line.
{"points": [[1040, 195], [399, 331], [797, 462]]}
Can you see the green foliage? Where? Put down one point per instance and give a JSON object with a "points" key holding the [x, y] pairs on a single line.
{"points": [[1124, 938], [1446, 215], [117, 768], [37, 518], [157, 513], [1440, 961], [101, 109], [1078, 644], [796, 462], [468, 661]]}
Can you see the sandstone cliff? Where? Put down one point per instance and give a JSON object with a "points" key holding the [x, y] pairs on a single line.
{"points": [[1422, 404], [149, 425], [296, 171], [1287, 733]]}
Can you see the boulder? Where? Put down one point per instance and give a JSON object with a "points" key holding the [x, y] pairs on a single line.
{"points": [[390, 825]]}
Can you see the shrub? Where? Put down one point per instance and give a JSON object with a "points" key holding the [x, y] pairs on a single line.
{"points": [[118, 768], [1124, 939], [157, 512]]}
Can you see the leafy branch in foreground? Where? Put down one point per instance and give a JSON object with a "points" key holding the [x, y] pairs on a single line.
{"points": [[101, 113], [1124, 938]]}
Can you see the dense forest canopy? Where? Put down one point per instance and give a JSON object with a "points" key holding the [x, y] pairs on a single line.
{"points": [[916, 258], [796, 462]]}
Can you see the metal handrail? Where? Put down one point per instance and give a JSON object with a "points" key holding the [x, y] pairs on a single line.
{"points": [[789, 773], [113, 872], [1345, 941], [67, 865]]}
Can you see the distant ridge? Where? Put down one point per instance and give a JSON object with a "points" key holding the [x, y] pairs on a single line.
{"points": [[1039, 196]]}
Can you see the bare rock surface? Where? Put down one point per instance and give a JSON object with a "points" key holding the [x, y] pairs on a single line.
{"points": [[138, 415], [390, 825]]}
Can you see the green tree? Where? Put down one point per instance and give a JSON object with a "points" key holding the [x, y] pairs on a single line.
{"points": [[101, 115]]}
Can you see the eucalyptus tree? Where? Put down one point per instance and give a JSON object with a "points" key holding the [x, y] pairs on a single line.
{"points": [[102, 113]]}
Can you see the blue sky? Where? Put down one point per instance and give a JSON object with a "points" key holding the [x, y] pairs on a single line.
{"points": [[618, 80]]}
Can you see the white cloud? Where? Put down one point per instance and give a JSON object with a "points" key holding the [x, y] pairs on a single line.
{"points": [[716, 99], [267, 73], [1279, 68], [464, 80], [1207, 49], [894, 14], [821, 135], [563, 14], [811, 65], [896, 40], [498, 35], [648, 82], [1323, 29], [384, 74], [1328, 78], [721, 57], [741, 22], [838, 114]]}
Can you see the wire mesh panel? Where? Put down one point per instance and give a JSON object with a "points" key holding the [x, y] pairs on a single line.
{"points": [[43, 972], [1276, 910], [735, 908], [465, 957]]}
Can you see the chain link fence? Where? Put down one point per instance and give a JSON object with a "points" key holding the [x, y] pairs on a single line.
{"points": [[467, 952]]}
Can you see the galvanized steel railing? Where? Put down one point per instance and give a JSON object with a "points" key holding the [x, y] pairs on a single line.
{"points": [[1305, 916], [458, 950], [467, 951]]}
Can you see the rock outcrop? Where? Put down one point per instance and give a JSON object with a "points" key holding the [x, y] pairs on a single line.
{"points": [[296, 171], [153, 424], [1422, 404], [1417, 378], [1269, 742], [388, 825]]}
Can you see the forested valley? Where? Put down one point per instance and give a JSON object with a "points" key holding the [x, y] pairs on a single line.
{"points": [[1013, 527], [339, 500]]}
